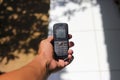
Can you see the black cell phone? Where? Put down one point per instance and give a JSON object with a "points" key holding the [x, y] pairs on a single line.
{"points": [[60, 33]]}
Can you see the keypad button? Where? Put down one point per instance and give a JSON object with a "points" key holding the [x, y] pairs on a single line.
{"points": [[61, 48]]}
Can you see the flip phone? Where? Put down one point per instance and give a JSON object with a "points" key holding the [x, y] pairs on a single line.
{"points": [[60, 33]]}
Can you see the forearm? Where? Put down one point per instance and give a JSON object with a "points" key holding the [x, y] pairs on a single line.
{"points": [[36, 70]]}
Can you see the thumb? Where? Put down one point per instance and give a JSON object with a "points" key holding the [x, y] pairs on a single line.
{"points": [[50, 38]]}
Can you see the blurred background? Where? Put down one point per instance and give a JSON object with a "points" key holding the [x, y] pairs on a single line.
{"points": [[94, 24], [23, 24]]}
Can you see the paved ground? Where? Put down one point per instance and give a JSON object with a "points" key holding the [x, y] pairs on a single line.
{"points": [[95, 28]]}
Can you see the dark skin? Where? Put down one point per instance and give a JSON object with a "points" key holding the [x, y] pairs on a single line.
{"points": [[42, 65]]}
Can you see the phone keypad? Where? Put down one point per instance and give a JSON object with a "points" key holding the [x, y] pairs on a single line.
{"points": [[61, 48]]}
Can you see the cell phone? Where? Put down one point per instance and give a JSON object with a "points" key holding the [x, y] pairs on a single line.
{"points": [[60, 33]]}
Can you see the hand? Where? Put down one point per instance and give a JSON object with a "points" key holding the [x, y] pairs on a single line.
{"points": [[47, 53], [42, 65]]}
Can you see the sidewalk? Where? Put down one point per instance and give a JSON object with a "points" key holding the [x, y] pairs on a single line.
{"points": [[97, 41]]}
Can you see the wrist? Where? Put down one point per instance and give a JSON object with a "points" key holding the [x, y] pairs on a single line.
{"points": [[43, 62], [39, 66]]}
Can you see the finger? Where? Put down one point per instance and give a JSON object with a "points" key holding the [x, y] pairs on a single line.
{"points": [[61, 63], [69, 60], [70, 36], [70, 52], [71, 44]]}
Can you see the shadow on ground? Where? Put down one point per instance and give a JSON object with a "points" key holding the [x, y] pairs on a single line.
{"points": [[23, 24], [111, 26]]}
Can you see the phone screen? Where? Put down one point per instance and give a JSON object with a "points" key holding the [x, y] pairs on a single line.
{"points": [[60, 33]]}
